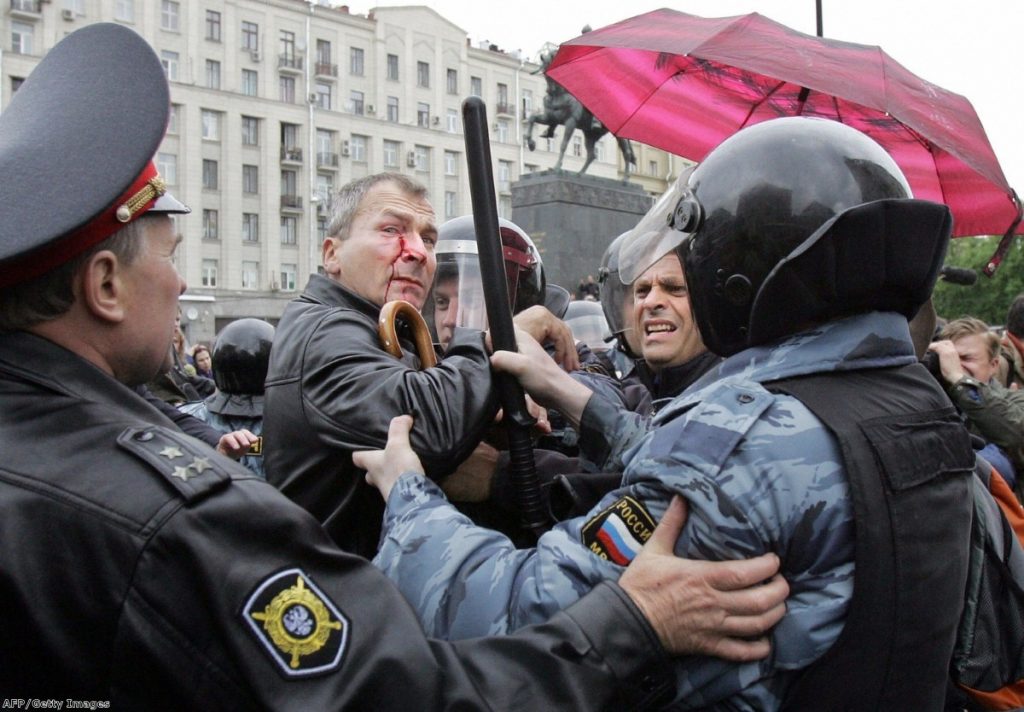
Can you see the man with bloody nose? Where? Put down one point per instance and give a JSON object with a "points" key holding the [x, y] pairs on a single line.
{"points": [[332, 389]]}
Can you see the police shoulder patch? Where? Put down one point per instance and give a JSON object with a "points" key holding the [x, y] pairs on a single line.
{"points": [[619, 532], [296, 624]]}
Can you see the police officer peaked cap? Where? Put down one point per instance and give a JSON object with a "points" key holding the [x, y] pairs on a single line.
{"points": [[76, 146]]}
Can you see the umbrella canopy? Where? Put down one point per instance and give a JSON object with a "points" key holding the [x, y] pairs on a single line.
{"points": [[685, 83]]}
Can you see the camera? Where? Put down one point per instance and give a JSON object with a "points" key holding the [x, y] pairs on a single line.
{"points": [[930, 360]]}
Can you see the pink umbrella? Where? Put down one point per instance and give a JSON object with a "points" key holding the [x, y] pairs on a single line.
{"points": [[685, 83]]}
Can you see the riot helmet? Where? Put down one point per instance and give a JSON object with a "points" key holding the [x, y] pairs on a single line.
{"points": [[616, 299], [791, 222], [241, 355], [456, 297]]}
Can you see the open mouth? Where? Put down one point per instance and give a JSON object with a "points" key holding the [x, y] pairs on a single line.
{"points": [[658, 328]]}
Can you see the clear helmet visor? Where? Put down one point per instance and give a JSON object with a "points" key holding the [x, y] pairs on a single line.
{"points": [[456, 298], [661, 230]]}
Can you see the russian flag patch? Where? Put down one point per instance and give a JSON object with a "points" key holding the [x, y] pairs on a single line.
{"points": [[619, 532]]}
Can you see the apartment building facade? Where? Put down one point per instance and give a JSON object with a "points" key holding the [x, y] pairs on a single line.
{"points": [[275, 103]]}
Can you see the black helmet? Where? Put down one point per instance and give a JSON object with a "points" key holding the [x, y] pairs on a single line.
{"points": [[241, 355], [616, 296], [524, 271], [793, 221]]}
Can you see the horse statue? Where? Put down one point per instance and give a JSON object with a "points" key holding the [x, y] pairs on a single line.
{"points": [[561, 107]]}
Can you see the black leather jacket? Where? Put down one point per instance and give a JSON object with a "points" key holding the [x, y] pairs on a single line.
{"points": [[139, 567], [331, 389]]}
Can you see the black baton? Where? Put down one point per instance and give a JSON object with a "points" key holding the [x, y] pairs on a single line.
{"points": [[517, 418]]}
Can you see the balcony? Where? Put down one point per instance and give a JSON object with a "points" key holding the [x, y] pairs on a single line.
{"points": [[28, 9], [327, 160], [505, 109], [326, 70], [291, 203], [291, 154], [290, 63]]}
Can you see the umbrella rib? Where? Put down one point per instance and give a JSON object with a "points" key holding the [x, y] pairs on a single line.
{"points": [[756, 105]]}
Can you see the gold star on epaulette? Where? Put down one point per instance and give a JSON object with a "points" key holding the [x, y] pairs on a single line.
{"points": [[171, 452], [200, 464], [182, 473]]}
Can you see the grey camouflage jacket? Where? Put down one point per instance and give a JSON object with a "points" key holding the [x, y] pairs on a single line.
{"points": [[759, 471]]}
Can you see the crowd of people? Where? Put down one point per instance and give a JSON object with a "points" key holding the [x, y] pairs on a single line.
{"points": [[770, 499]]}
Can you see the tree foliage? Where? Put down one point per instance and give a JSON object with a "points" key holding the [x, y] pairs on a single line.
{"points": [[989, 298]]}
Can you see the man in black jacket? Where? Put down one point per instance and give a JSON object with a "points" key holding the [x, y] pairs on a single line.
{"points": [[332, 389], [142, 570]]}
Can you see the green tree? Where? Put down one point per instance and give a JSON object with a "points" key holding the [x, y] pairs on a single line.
{"points": [[989, 298]]}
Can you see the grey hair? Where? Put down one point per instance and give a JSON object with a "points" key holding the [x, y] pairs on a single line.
{"points": [[46, 297], [345, 203]]}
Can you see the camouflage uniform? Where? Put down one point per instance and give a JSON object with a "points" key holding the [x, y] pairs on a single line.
{"points": [[759, 471]]}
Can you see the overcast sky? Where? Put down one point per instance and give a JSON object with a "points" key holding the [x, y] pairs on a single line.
{"points": [[971, 47]]}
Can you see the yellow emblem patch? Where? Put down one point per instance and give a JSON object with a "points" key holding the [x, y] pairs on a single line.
{"points": [[297, 624]]}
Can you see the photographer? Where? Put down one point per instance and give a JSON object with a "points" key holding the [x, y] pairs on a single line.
{"points": [[968, 363]]}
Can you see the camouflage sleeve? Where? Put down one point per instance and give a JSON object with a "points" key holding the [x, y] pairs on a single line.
{"points": [[466, 581], [608, 431]]}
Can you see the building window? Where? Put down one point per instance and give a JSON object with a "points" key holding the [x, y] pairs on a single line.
{"points": [[323, 96], [288, 277], [209, 273], [393, 109], [212, 74], [290, 137], [391, 154], [250, 131], [527, 103], [213, 25], [250, 179], [170, 62], [169, 15], [250, 275], [124, 10], [289, 181], [451, 162], [287, 87], [502, 96], [21, 38], [211, 125], [355, 61], [358, 148], [172, 121], [453, 81], [451, 205], [289, 229], [250, 36], [505, 207], [504, 176], [321, 228], [324, 145], [250, 82], [355, 102], [167, 166], [577, 146], [324, 187], [503, 131], [76, 6], [453, 121], [423, 74], [476, 86], [652, 168], [323, 52], [423, 115], [287, 47], [422, 154], [392, 64], [250, 227], [210, 179], [210, 220]]}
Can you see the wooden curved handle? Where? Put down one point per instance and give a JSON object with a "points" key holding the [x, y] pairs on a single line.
{"points": [[400, 309]]}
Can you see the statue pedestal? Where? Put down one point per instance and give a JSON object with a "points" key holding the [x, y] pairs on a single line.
{"points": [[572, 219]]}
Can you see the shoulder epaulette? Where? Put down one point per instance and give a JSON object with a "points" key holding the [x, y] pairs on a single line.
{"points": [[190, 466]]}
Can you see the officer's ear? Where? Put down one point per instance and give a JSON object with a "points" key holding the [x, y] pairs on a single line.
{"points": [[101, 286]]}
